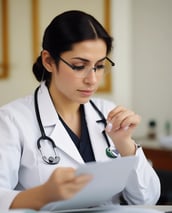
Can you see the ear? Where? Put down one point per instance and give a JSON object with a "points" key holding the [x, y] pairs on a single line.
{"points": [[47, 60]]}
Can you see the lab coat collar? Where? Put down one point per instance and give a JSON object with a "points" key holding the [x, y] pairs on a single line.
{"points": [[47, 110]]}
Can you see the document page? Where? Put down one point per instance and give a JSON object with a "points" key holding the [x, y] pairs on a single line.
{"points": [[109, 178]]}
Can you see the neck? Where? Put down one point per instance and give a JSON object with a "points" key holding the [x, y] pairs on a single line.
{"points": [[70, 113], [63, 106]]}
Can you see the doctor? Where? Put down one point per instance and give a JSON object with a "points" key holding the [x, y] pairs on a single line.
{"points": [[45, 136]]}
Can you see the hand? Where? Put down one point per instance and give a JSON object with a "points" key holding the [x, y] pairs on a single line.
{"points": [[121, 123], [64, 184]]}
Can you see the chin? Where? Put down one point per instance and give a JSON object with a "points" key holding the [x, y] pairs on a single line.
{"points": [[84, 100]]}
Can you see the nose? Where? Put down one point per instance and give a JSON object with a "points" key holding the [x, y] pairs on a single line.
{"points": [[91, 77]]}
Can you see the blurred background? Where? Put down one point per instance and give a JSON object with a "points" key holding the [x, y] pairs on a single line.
{"points": [[142, 78], [142, 32]]}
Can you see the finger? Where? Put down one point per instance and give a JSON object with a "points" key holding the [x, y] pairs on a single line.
{"points": [[130, 121], [83, 179], [119, 119], [71, 188], [115, 111], [64, 174]]}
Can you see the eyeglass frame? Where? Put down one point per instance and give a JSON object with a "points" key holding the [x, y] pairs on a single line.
{"points": [[73, 67]]}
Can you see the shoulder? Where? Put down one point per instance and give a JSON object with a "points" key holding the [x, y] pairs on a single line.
{"points": [[18, 107]]}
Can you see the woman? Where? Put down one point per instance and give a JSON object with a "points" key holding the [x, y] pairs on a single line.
{"points": [[70, 68]]}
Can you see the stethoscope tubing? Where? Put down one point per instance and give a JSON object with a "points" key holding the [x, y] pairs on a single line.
{"points": [[54, 160]]}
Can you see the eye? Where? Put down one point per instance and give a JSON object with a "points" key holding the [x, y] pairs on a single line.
{"points": [[100, 66], [78, 68]]}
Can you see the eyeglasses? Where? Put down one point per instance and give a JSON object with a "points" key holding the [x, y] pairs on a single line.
{"points": [[82, 70]]}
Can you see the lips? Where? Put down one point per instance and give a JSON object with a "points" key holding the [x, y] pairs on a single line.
{"points": [[86, 92]]}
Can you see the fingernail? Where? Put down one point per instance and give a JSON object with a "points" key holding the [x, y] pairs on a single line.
{"points": [[126, 128], [109, 127]]}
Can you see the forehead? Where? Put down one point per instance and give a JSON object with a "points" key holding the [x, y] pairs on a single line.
{"points": [[88, 49]]}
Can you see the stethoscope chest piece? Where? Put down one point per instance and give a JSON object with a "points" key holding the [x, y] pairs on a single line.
{"points": [[51, 159], [112, 153]]}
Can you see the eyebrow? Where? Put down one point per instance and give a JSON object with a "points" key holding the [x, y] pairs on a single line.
{"points": [[86, 60]]}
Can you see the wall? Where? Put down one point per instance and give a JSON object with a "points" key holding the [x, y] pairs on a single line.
{"points": [[121, 31], [143, 54], [152, 61], [20, 81]]}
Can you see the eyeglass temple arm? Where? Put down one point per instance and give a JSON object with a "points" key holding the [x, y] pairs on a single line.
{"points": [[112, 63], [70, 65]]}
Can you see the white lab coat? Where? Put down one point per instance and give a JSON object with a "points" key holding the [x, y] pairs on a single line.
{"points": [[22, 167]]}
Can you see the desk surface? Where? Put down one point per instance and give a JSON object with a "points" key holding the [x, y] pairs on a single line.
{"points": [[158, 154], [154, 144], [162, 208], [114, 209]]}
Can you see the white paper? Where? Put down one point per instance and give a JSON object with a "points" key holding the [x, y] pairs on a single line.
{"points": [[109, 178]]}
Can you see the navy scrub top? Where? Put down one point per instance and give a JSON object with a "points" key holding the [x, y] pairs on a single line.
{"points": [[83, 143]]}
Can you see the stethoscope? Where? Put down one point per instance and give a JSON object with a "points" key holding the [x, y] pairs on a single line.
{"points": [[110, 151]]}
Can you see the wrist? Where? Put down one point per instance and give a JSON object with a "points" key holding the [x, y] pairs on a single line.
{"points": [[127, 148]]}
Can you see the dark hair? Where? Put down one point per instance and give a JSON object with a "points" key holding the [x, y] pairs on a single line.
{"points": [[65, 30]]}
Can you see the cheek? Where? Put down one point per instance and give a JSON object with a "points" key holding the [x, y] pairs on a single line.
{"points": [[100, 81], [67, 78], [66, 81]]}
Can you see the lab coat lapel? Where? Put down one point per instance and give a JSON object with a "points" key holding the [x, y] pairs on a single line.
{"points": [[51, 120], [95, 132], [64, 142]]}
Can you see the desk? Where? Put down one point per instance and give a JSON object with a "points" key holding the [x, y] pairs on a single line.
{"points": [[115, 209], [160, 157], [162, 208], [161, 160]]}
